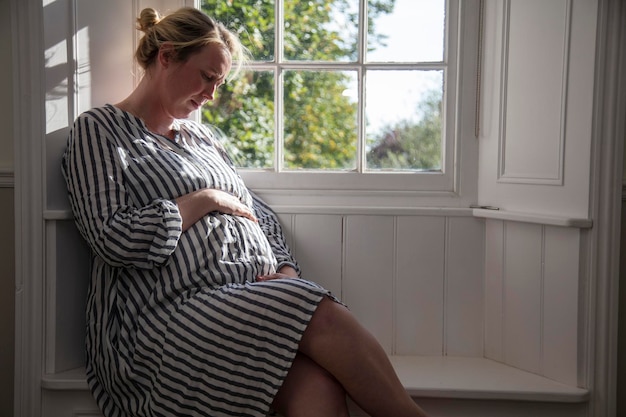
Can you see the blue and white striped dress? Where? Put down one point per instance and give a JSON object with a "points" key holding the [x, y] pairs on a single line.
{"points": [[176, 324]]}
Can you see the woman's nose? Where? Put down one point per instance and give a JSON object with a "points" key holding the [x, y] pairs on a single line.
{"points": [[209, 92]]}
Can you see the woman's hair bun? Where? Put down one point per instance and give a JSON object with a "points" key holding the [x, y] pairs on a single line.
{"points": [[147, 19]]}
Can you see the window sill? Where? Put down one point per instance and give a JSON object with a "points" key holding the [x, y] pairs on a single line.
{"points": [[537, 218], [430, 377]]}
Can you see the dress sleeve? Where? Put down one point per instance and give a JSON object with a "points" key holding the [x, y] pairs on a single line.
{"points": [[268, 221], [122, 234]]}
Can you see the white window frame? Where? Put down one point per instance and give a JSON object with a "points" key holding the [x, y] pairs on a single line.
{"points": [[398, 188]]}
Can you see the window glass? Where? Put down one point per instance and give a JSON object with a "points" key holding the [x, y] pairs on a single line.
{"points": [[407, 31], [321, 30], [254, 21], [243, 110], [320, 120], [404, 120]]}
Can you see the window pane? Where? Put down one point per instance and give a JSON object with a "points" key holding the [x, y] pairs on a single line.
{"points": [[253, 21], [321, 30], [244, 110], [404, 119], [412, 32], [320, 120]]}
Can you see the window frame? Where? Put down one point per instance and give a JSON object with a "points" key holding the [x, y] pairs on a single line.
{"points": [[402, 188]]}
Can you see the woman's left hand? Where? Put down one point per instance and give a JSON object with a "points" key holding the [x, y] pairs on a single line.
{"points": [[284, 273], [275, 275]]}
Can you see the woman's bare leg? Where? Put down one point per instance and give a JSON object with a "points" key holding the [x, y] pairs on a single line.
{"points": [[310, 391], [338, 343]]}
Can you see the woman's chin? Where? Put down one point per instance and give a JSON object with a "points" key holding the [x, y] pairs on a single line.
{"points": [[190, 108], [184, 113]]}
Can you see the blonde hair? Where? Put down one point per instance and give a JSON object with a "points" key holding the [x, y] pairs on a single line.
{"points": [[187, 30]]}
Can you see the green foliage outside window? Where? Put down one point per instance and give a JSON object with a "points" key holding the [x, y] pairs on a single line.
{"points": [[319, 121], [406, 144]]}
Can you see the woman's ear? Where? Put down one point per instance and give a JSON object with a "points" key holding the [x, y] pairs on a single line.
{"points": [[167, 54]]}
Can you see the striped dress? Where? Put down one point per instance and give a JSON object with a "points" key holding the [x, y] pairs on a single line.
{"points": [[176, 323]]}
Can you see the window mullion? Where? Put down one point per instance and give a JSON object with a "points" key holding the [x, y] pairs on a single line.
{"points": [[361, 74], [279, 38], [361, 148]]}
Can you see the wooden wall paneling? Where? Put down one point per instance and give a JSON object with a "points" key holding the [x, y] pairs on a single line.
{"points": [[72, 281], [56, 190], [8, 263], [533, 132], [522, 295], [536, 117], [319, 249], [69, 403], [494, 287], [50, 299], [560, 304], [287, 222], [66, 281], [369, 273], [419, 297], [463, 299]]}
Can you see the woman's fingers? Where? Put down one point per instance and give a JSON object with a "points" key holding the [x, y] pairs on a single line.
{"points": [[244, 211], [229, 204], [276, 275]]}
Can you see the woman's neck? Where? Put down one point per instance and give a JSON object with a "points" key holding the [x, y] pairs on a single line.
{"points": [[144, 104]]}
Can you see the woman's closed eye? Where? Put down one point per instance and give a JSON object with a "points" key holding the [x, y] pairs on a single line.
{"points": [[213, 79]]}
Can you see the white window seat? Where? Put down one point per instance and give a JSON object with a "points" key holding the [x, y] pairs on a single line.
{"points": [[479, 379], [432, 377]]}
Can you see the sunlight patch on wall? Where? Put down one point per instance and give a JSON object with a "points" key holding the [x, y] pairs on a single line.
{"points": [[57, 86]]}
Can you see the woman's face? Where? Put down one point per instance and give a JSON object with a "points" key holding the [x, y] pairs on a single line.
{"points": [[191, 83]]}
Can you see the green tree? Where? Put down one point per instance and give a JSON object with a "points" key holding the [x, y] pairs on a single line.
{"points": [[410, 145], [319, 121]]}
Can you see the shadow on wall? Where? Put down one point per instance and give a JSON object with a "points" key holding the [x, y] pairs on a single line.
{"points": [[7, 300], [88, 62], [621, 344], [7, 218], [89, 50]]}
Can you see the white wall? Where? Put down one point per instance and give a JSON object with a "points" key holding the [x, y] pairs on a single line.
{"points": [[7, 254]]}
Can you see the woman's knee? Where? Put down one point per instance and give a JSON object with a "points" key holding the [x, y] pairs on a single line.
{"points": [[329, 321], [328, 316], [309, 390]]}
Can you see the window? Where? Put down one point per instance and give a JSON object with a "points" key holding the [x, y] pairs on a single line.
{"points": [[342, 95]]}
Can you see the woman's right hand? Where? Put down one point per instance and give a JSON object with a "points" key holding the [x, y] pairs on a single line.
{"points": [[195, 205], [228, 204]]}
